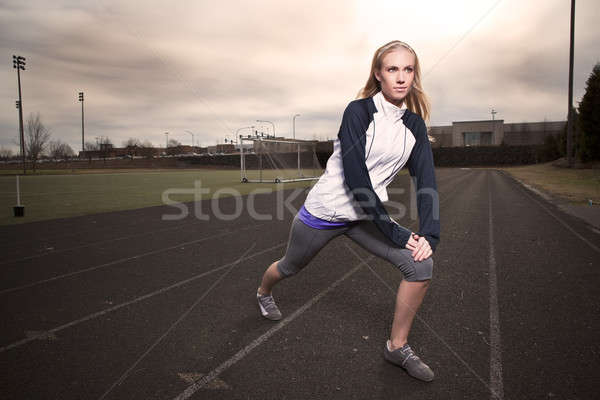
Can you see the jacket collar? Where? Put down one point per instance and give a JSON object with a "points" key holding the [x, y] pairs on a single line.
{"points": [[389, 110]]}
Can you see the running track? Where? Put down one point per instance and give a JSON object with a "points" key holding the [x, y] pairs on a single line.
{"points": [[125, 305]]}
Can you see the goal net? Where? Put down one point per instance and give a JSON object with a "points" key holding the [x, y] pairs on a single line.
{"points": [[278, 160]]}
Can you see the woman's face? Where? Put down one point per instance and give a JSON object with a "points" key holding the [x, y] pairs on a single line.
{"points": [[396, 75]]}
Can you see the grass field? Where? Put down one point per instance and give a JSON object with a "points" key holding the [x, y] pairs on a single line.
{"points": [[574, 185], [59, 194]]}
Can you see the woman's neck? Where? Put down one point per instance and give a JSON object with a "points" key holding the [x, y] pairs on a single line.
{"points": [[397, 103]]}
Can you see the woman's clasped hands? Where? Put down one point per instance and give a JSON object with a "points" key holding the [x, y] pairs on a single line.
{"points": [[420, 247]]}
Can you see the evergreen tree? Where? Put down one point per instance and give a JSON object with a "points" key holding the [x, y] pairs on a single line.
{"points": [[589, 117]]}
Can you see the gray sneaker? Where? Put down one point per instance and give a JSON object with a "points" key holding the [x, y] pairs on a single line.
{"points": [[268, 308], [406, 358]]}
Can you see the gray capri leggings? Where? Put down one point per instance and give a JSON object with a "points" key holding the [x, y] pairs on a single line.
{"points": [[305, 242]]}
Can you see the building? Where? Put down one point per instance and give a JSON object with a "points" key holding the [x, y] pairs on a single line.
{"points": [[493, 133], [225, 148]]}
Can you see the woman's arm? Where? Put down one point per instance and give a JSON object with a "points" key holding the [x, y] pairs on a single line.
{"points": [[352, 136], [422, 170]]}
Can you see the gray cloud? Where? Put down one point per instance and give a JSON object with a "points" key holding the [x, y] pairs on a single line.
{"points": [[152, 67]]}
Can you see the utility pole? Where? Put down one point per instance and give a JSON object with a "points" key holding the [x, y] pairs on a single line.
{"points": [[570, 113], [82, 135], [19, 64]]}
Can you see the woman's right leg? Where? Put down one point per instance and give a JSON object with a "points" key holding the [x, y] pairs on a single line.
{"points": [[304, 243], [270, 278]]}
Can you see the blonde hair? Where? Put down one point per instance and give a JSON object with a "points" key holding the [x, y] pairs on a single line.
{"points": [[416, 100]]}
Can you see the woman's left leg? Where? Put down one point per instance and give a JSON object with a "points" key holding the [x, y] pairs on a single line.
{"points": [[412, 289]]}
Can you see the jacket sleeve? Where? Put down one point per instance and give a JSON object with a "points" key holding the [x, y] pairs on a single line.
{"points": [[352, 138], [422, 170]]}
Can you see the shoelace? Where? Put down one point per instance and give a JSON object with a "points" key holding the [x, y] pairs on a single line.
{"points": [[267, 302], [410, 354]]}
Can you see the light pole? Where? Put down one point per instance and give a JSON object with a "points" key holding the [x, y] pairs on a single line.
{"points": [[17, 104], [167, 146], [192, 137], [82, 134], [260, 120], [570, 113], [19, 64], [294, 124]]}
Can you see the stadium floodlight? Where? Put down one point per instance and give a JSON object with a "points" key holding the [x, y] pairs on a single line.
{"points": [[19, 64], [279, 160]]}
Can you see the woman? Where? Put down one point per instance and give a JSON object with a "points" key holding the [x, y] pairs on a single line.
{"points": [[381, 131]]}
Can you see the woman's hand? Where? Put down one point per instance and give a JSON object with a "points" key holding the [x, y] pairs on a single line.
{"points": [[420, 247]]}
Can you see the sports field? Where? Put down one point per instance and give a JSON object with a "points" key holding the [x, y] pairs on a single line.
{"points": [[52, 194], [127, 303]]}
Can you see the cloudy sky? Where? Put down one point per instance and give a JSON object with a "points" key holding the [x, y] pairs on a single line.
{"points": [[213, 67]]}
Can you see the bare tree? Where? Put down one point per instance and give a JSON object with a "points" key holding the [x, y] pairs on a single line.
{"points": [[133, 146], [106, 146], [132, 142], [5, 153], [36, 138], [147, 149], [174, 143], [60, 150], [89, 147]]}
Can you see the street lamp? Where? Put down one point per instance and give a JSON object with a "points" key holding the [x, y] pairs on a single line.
{"points": [[19, 64], [167, 133], [294, 124], [192, 137], [259, 120], [82, 135]]}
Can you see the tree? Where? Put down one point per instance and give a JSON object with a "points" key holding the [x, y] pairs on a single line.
{"points": [[147, 149], [132, 142], [36, 138], [5, 153], [132, 145], [174, 143], [59, 150], [589, 110]]}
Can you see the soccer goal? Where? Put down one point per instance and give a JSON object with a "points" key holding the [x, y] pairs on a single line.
{"points": [[278, 160]]}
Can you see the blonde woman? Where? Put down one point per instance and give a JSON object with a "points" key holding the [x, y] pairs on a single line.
{"points": [[381, 131]]}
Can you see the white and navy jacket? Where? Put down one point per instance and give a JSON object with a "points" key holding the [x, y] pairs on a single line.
{"points": [[376, 139]]}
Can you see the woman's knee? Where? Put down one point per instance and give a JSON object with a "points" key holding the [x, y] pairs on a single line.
{"points": [[418, 270], [287, 269]]}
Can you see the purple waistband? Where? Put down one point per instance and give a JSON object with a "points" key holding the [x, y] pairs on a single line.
{"points": [[319, 223]]}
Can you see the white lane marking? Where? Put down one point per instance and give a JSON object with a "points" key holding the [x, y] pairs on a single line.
{"points": [[136, 300], [104, 241], [593, 246], [119, 261], [187, 393], [394, 293], [497, 387], [174, 324]]}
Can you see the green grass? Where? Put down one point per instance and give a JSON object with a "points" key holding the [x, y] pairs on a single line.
{"points": [[60, 194], [574, 185]]}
